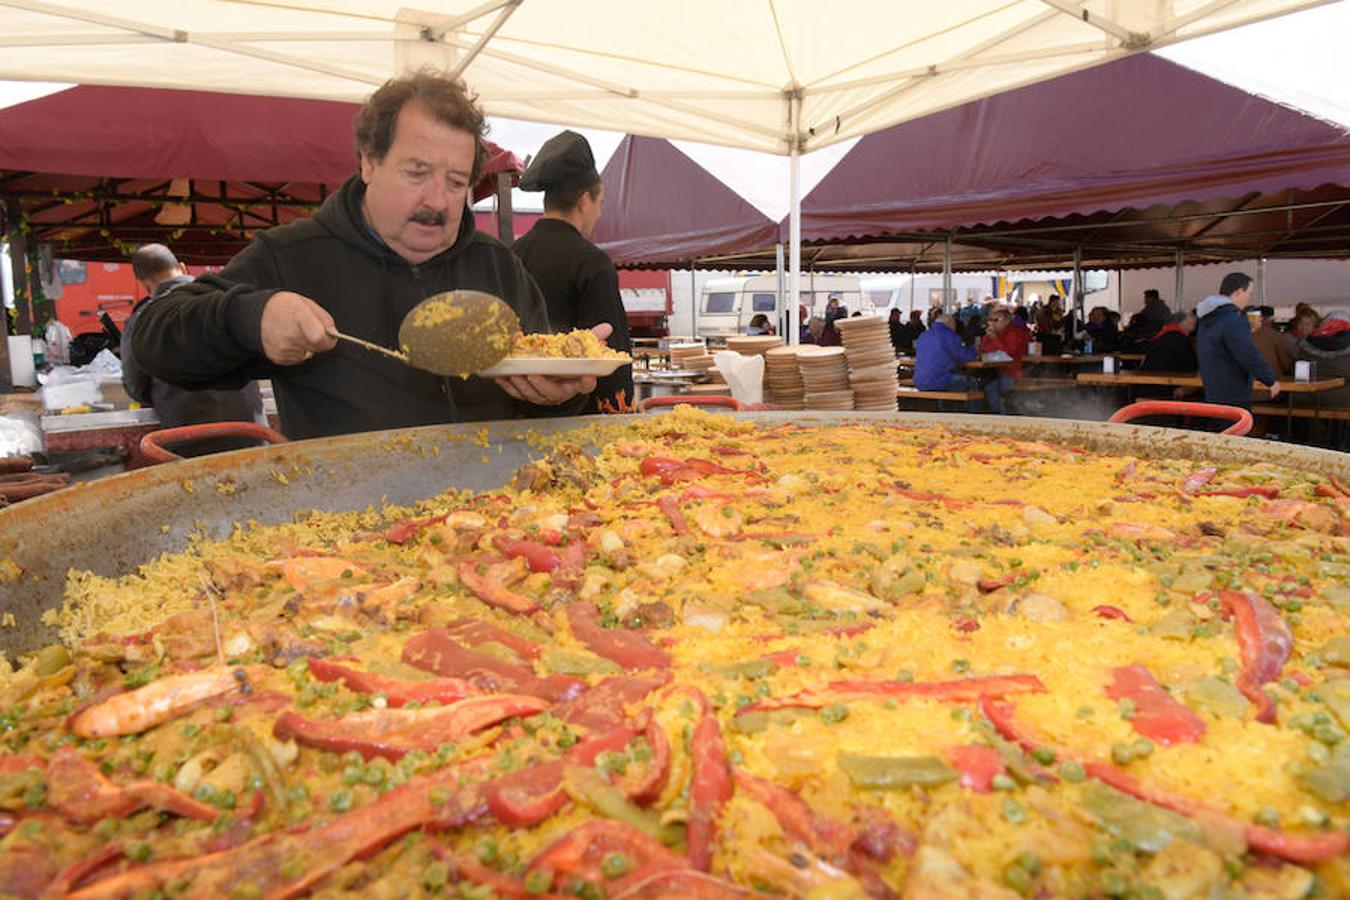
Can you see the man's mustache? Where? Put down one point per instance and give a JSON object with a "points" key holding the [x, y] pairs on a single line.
{"points": [[428, 217]]}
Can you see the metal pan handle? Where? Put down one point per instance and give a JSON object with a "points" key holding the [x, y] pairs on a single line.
{"points": [[1242, 420], [152, 444], [730, 403]]}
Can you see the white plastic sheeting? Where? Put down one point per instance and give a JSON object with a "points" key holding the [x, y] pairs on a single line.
{"points": [[732, 72]]}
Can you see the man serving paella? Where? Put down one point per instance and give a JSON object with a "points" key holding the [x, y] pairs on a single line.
{"points": [[696, 663]]}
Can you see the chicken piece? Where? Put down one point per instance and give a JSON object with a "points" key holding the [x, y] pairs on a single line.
{"points": [[1183, 870]]}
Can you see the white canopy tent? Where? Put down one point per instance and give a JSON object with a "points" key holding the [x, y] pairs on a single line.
{"points": [[782, 76]]}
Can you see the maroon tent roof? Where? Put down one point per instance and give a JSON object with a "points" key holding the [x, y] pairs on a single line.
{"points": [[1133, 133], [92, 168], [664, 209]]}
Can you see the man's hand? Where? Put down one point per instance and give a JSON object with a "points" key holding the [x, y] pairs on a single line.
{"points": [[294, 328], [542, 390], [1274, 390]]}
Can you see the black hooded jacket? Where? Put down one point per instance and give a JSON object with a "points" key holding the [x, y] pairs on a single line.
{"points": [[207, 334]]}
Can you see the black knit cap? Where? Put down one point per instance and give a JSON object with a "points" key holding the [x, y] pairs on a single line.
{"points": [[564, 163]]}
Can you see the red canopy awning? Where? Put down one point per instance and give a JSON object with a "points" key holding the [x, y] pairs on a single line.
{"points": [[662, 209], [92, 168], [1133, 133]]}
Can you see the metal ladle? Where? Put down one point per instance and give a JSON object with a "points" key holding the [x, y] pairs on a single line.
{"points": [[452, 333]]}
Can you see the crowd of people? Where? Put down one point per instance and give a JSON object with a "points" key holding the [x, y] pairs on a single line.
{"points": [[1231, 344]]}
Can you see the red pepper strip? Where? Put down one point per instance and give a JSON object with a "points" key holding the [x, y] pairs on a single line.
{"points": [[823, 835], [988, 585], [1124, 474], [527, 797], [1106, 611], [708, 467], [391, 733], [473, 632], [728, 450], [492, 593], [1264, 646], [965, 624], [540, 557], [582, 851], [1295, 848], [1338, 485], [602, 707], [923, 496], [20, 762], [688, 884], [977, 764], [699, 492], [1198, 479], [322, 850], [643, 783], [670, 507], [1269, 491], [397, 691], [402, 532], [668, 470], [963, 690], [81, 869], [1157, 716], [709, 789], [436, 651], [81, 793], [628, 647], [572, 568]]}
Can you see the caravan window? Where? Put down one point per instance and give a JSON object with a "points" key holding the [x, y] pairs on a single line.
{"points": [[764, 302], [721, 302]]}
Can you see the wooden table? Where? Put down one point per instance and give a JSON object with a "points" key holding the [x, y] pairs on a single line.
{"points": [[1192, 380]]}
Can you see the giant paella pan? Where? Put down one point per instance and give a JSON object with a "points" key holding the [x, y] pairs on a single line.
{"points": [[689, 655]]}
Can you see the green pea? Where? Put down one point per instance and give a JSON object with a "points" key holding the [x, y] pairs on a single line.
{"points": [[340, 801], [1268, 817], [435, 876], [1029, 861], [1014, 812], [1142, 747], [834, 713], [1043, 755], [1072, 772], [351, 775], [486, 851], [1122, 754], [538, 881], [1127, 709], [1017, 878], [904, 676], [1002, 782], [138, 851], [223, 713], [615, 865]]}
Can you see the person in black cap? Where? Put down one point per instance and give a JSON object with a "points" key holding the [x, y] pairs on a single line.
{"points": [[578, 279]]}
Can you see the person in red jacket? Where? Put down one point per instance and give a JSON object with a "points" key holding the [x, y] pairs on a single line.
{"points": [[1001, 333]]}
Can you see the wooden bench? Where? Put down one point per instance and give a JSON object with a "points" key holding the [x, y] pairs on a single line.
{"points": [[957, 396], [1339, 413], [1044, 384]]}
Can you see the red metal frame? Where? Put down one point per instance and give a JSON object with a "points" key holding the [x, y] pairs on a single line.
{"points": [[1242, 420], [153, 451]]}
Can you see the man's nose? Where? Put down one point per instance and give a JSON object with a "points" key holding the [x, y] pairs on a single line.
{"points": [[437, 193]]}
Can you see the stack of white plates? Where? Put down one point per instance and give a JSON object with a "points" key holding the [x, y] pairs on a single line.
{"points": [[783, 386], [825, 378], [871, 362]]}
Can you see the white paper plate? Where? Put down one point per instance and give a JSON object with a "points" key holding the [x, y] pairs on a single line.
{"points": [[558, 367]]}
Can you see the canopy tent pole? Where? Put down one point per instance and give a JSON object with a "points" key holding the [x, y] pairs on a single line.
{"points": [[794, 98], [1181, 277], [947, 273], [1260, 281], [505, 226], [18, 262], [787, 310], [1078, 282], [693, 299]]}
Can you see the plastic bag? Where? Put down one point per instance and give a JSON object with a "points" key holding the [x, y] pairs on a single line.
{"points": [[744, 375]]}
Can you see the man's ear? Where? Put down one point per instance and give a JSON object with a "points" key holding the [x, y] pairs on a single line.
{"points": [[367, 166]]}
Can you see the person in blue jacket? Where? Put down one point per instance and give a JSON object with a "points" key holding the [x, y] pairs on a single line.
{"points": [[1228, 356], [937, 353]]}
